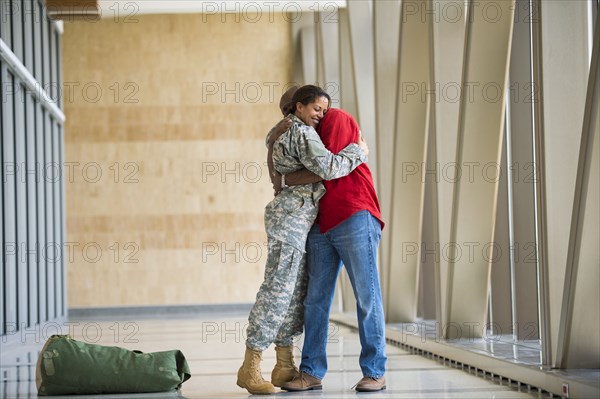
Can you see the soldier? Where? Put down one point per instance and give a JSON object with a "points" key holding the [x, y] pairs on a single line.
{"points": [[277, 315]]}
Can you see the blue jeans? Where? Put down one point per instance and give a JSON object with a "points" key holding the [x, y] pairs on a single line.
{"points": [[354, 243]]}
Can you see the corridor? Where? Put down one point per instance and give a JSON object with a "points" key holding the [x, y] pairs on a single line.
{"points": [[135, 183], [214, 348]]}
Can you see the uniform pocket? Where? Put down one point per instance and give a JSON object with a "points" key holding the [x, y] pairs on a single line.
{"points": [[292, 203]]}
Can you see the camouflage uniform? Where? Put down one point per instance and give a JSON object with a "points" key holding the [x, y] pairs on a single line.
{"points": [[278, 313]]}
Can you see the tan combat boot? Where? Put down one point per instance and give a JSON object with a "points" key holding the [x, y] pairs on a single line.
{"points": [[250, 377], [285, 370]]}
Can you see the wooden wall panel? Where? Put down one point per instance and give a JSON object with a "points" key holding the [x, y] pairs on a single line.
{"points": [[168, 175]]}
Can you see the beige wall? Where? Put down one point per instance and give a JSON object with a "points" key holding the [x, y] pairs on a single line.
{"points": [[162, 137]]}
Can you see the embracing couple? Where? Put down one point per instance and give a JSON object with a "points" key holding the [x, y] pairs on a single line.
{"points": [[325, 214]]}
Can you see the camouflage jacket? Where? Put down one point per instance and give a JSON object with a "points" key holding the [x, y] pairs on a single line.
{"points": [[290, 215]]}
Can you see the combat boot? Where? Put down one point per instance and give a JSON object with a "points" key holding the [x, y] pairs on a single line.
{"points": [[285, 370], [250, 377]]}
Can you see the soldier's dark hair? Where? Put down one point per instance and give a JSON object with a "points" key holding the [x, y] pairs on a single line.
{"points": [[306, 95]]}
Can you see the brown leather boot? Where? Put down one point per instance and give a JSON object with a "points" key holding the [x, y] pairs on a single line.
{"points": [[249, 375], [303, 382], [370, 384], [285, 370]]}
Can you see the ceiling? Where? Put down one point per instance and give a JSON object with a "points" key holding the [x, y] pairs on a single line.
{"points": [[124, 8]]}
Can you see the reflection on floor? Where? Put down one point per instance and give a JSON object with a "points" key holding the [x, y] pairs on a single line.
{"points": [[214, 348], [500, 346]]}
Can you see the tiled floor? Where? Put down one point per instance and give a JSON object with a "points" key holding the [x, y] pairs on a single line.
{"points": [[214, 348]]}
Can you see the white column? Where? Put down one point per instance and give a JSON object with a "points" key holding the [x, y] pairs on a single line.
{"points": [[387, 36], [409, 158], [565, 65], [481, 124]]}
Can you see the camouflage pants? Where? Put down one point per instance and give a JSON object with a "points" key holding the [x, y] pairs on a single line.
{"points": [[278, 313]]}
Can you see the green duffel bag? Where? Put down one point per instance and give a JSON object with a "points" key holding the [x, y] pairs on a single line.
{"points": [[66, 366]]}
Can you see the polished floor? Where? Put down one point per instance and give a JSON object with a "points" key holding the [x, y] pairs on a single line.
{"points": [[214, 348]]}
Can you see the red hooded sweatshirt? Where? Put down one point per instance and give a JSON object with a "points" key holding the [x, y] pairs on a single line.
{"points": [[350, 194]]}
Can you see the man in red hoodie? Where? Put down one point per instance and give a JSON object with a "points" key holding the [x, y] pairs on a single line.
{"points": [[347, 231]]}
